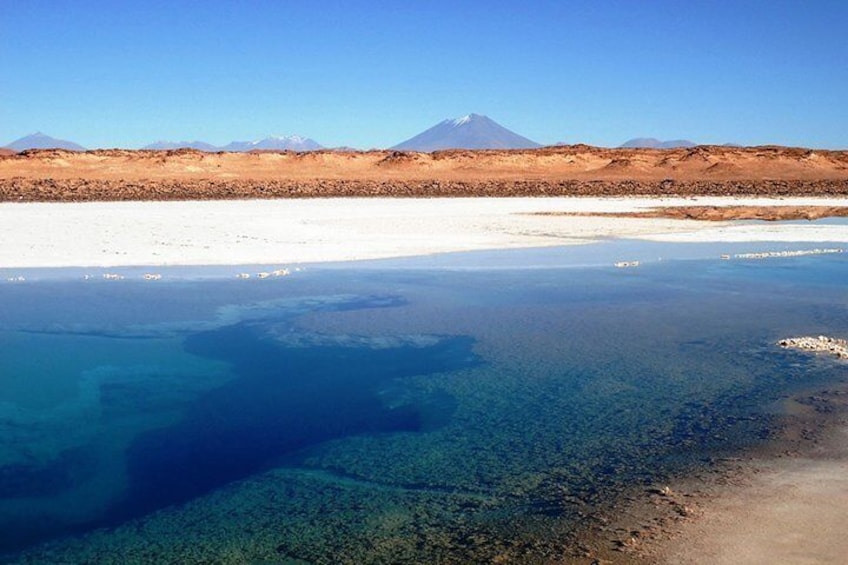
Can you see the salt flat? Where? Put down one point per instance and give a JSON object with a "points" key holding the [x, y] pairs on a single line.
{"points": [[234, 232]]}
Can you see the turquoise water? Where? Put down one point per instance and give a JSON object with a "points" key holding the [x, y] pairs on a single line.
{"points": [[401, 412]]}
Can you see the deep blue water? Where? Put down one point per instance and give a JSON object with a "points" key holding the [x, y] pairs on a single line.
{"points": [[407, 413], [281, 401]]}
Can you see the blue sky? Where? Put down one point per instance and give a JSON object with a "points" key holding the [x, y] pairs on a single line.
{"points": [[371, 74]]}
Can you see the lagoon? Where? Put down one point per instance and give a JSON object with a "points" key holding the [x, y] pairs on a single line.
{"points": [[456, 408]]}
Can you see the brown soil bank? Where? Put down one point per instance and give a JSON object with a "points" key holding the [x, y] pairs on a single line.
{"points": [[724, 213], [579, 170], [767, 213]]}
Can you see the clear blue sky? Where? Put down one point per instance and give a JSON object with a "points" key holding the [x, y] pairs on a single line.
{"points": [[371, 74]]}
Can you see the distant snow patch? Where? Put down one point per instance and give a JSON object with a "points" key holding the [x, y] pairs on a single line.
{"points": [[462, 120]]}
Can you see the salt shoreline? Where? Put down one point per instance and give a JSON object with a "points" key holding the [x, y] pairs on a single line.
{"points": [[255, 232]]}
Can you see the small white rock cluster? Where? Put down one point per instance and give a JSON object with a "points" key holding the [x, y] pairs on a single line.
{"points": [[821, 344], [265, 274], [799, 253]]}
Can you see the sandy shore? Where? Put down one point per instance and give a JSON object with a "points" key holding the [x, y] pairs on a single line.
{"points": [[111, 234], [788, 504], [785, 501], [791, 511]]}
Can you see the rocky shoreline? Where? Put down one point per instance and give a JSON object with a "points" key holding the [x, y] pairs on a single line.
{"points": [[28, 189]]}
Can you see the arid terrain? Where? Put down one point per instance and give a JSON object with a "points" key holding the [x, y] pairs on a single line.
{"points": [[578, 170]]}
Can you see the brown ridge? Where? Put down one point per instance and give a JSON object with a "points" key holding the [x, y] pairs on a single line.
{"points": [[723, 213], [118, 174]]}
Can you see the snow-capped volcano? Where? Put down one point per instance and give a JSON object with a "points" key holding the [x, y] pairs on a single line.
{"points": [[468, 132]]}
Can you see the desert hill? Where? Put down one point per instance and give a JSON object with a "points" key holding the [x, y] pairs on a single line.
{"points": [[562, 170]]}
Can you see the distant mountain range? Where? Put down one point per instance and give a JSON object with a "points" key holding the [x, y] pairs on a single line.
{"points": [[291, 143], [169, 145], [653, 143], [473, 131], [469, 132], [39, 140], [286, 143]]}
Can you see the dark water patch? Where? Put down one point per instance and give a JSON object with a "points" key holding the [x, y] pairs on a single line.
{"points": [[41, 481], [21, 480], [282, 401]]}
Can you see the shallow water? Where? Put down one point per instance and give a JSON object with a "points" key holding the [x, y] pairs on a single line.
{"points": [[385, 413]]}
